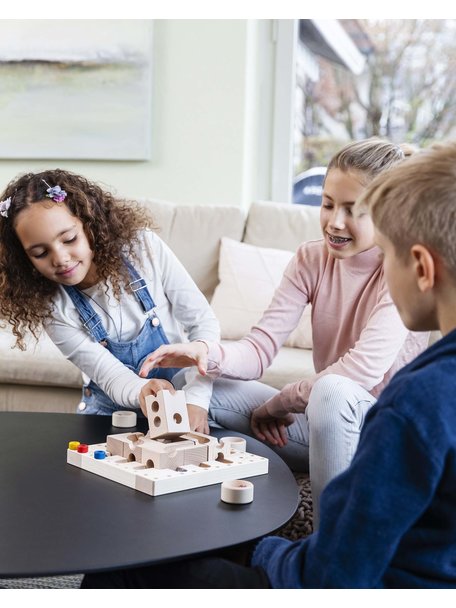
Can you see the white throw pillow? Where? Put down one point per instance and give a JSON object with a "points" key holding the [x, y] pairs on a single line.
{"points": [[248, 277]]}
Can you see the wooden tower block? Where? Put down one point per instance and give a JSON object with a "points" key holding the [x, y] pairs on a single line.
{"points": [[196, 455], [167, 414], [161, 459], [212, 444], [122, 443]]}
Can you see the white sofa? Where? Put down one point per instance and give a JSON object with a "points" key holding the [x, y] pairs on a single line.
{"points": [[41, 379]]}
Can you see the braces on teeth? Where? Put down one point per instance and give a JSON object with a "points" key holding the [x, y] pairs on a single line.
{"points": [[338, 239]]}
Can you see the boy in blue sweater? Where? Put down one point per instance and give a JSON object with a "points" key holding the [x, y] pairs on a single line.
{"points": [[390, 519]]}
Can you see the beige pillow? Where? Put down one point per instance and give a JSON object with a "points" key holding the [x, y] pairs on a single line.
{"points": [[248, 277]]}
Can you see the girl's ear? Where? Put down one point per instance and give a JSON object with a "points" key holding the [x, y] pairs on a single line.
{"points": [[425, 265]]}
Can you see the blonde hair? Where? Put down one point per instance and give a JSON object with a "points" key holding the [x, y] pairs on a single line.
{"points": [[367, 158], [416, 203]]}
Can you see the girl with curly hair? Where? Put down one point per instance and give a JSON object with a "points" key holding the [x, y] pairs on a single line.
{"points": [[89, 269]]}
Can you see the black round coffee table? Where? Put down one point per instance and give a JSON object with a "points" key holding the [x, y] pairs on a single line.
{"points": [[58, 519]]}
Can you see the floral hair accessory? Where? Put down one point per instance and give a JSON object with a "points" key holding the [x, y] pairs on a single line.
{"points": [[4, 206], [56, 193]]}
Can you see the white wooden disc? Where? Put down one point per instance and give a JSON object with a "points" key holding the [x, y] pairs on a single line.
{"points": [[124, 419], [237, 491]]}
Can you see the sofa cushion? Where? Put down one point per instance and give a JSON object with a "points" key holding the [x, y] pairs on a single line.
{"points": [[194, 234], [32, 398], [163, 214], [248, 278], [40, 364], [281, 225], [289, 366]]}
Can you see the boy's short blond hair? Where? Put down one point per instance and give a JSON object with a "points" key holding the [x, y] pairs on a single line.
{"points": [[415, 202]]}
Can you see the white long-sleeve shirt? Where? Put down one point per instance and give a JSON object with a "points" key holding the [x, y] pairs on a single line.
{"points": [[183, 311]]}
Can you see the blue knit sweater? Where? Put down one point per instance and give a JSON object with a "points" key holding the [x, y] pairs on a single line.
{"points": [[390, 519]]}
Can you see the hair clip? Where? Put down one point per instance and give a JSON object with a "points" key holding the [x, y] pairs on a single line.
{"points": [[55, 192], [4, 206]]}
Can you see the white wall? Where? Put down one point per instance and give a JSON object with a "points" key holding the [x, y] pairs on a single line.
{"points": [[213, 96]]}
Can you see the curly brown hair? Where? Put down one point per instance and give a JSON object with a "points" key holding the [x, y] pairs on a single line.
{"points": [[111, 225]]}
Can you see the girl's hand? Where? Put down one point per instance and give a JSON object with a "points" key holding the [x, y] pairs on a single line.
{"points": [[152, 388], [270, 428], [198, 419], [177, 355]]}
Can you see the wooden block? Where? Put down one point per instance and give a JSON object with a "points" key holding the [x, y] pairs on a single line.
{"points": [[212, 444], [167, 414], [195, 455], [195, 477], [115, 445], [113, 468], [146, 480], [123, 443], [74, 458], [148, 463], [156, 482], [166, 459], [200, 438], [233, 444]]}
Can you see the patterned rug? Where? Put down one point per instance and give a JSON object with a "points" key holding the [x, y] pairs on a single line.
{"points": [[299, 526], [45, 582]]}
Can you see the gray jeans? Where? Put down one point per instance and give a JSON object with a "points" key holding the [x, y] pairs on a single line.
{"points": [[321, 441]]}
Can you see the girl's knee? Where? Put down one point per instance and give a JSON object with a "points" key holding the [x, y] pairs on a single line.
{"points": [[337, 400], [327, 386], [328, 399]]}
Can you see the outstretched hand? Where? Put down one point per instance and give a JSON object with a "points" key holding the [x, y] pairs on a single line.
{"points": [[177, 355], [269, 427]]}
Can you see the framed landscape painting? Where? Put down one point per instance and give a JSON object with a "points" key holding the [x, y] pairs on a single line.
{"points": [[75, 89]]}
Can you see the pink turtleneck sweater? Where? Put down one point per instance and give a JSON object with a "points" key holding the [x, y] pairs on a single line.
{"points": [[357, 331]]}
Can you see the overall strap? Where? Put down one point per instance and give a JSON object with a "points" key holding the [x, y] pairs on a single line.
{"points": [[89, 318], [92, 321], [139, 288]]}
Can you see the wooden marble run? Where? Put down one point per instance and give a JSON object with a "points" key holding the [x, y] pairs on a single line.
{"points": [[170, 457]]}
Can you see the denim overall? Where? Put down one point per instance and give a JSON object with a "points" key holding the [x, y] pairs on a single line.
{"points": [[131, 354]]}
